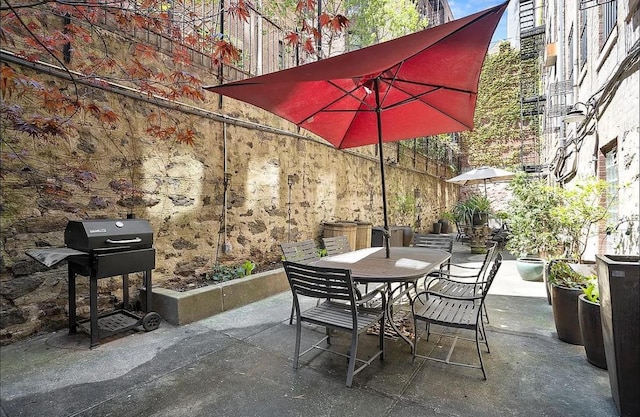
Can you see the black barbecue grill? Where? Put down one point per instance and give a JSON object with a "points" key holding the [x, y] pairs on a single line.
{"points": [[111, 247]]}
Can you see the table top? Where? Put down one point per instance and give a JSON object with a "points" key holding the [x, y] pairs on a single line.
{"points": [[372, 265]]}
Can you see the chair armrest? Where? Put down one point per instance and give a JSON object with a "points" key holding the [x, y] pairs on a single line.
{"points": [[455, 281], [446, 274], [370, 296], [451, 277], [466, 266]]}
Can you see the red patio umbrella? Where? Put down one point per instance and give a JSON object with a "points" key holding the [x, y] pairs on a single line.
{"points": [[421, 84]]}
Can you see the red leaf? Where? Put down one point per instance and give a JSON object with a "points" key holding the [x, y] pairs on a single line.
{"points": [[292, 38], [239, 11], [309, 46]]}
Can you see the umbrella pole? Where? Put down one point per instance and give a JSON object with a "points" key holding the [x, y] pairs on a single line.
{"points": [[386, 233]]}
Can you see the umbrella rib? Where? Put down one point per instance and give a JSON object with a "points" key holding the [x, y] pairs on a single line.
{"points": [[419, 98], [347, 93]]}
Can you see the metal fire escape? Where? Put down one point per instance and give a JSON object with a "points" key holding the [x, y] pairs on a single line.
{"points": [[532, 99]]}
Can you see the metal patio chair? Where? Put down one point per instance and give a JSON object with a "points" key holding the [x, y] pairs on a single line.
{"points": [[302, 252], [433, 241], [336, 245], [456, 312], [340, 310], [464, 285]]}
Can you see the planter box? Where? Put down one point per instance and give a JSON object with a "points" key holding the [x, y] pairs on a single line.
{"points": [[619, 284], [180, 308]]}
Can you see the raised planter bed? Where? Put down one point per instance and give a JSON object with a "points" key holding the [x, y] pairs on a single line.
{"points": [[180, 308]]}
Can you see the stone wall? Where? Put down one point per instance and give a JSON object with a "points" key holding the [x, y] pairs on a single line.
{"points": [[110, 172]]}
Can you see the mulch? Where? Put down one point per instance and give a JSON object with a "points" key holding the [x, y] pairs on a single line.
{"points": [[402, 319]]}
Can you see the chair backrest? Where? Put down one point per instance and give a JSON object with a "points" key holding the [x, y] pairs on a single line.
{"points": [[336, 245], [300, 252], [492, 274], [489, 257], [442, 242], [319, 282]]}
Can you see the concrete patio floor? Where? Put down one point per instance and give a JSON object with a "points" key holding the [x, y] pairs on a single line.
{"points": [[239, 363]]}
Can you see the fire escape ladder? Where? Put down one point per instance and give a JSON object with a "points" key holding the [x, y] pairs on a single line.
{"points": [[532, 100]]}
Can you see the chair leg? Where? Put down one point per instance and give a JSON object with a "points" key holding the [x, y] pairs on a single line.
{"points": [[415, 340], [352, 357], [291, 316], [296, 354], [381, 337], [486, 314], [484, 336], [484, 374]]}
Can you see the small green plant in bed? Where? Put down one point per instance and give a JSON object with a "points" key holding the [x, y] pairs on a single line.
{"points": [[223, 273]]}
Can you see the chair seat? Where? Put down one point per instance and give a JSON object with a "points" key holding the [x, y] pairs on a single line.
{"points": [[338, 315], [456, 289], [453, 313]]}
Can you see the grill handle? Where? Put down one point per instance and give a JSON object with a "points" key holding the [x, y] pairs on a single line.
{"points": [[135, 240]]}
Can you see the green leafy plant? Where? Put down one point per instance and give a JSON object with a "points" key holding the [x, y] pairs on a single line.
{"points": [[248, 268], [476, 204], [591, 291], [532, 227], [405, 209], [223, 273], [579, 212], [322, 252], [449, 215], [561, 274]]}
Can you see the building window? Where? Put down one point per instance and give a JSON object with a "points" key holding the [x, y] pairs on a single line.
{"points": [[608, 19], [582, 53], [610, 159], [570, 64]]}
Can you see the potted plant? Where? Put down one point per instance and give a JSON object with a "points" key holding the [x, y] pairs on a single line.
{"points": [[533, 232], [566, 286], [591, 324], [481, 206], [445, 221]]}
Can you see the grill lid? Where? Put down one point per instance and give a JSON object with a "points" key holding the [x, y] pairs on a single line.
{"points": [[89, 235]]}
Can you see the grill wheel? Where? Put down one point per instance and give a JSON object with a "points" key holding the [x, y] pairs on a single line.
{"points": [[151, 321]]}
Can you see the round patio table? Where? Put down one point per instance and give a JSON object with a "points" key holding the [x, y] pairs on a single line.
{"points": [[403, 267]]}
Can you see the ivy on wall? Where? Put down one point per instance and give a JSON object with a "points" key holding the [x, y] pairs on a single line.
{"points": [[496, 137]]}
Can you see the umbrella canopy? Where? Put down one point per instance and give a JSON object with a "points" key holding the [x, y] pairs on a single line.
{"points": [[421, 84], [482, 176]]}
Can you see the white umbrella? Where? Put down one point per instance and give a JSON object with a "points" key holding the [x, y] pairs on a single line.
{"points": [[482, 176]]}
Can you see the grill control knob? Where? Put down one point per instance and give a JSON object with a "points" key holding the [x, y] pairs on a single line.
{"points": [[119, 224]]}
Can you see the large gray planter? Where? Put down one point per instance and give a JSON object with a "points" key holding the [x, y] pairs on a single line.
{"points": [[180, 308], [619, 285]]}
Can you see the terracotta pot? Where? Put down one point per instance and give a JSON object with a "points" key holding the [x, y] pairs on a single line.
{"points": [[437, 228], [591, 331], [565, 313]]}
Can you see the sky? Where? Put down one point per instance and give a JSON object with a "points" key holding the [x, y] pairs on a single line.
{"points": [[462, 8]]}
